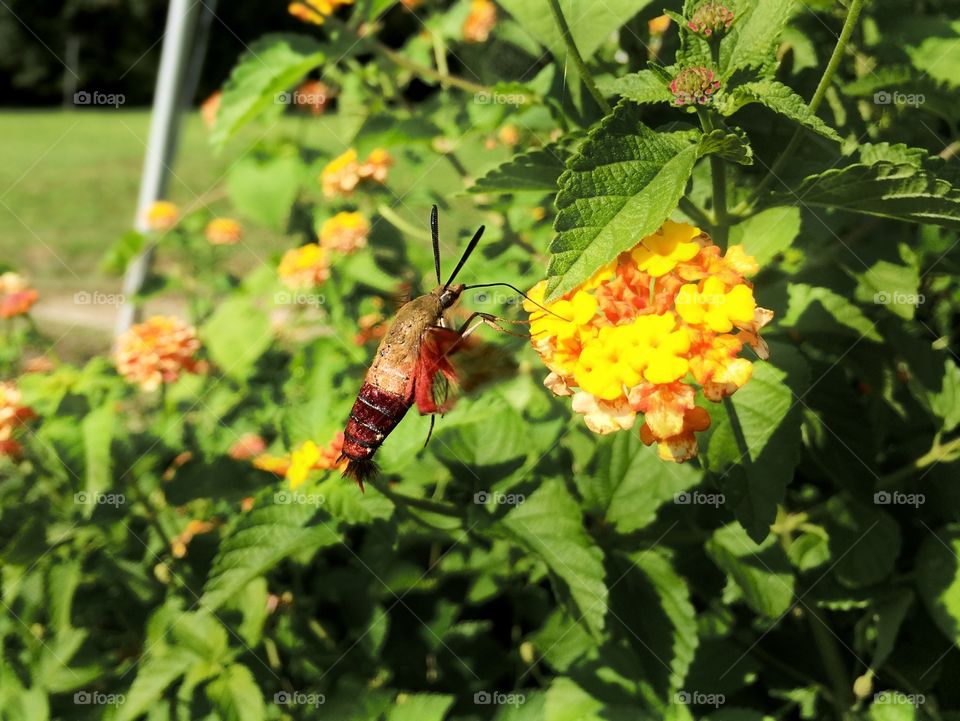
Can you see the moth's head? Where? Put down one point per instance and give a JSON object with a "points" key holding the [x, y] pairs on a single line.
{"points": [[449, 295]]}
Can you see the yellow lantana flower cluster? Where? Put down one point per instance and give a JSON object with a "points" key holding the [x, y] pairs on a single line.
{"points": [[644, 332], [342, 174]]}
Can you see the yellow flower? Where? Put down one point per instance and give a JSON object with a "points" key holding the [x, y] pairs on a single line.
{"points": [[302, 461], [304, 267], [315, 11], [344, 232], [660, 252], [162, 215], [716, 307], [623, 342], [342, 174]]}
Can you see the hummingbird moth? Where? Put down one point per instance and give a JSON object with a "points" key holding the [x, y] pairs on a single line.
{"points": [[411, 365]]}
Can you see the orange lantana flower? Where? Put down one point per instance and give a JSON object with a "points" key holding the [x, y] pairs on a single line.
{"points": [[157, 351], [344, 232], [639, 336], [223, 231]]}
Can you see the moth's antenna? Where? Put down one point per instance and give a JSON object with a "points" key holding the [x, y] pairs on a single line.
{"points": [[435, 234], [466, 254], [519, 292]]}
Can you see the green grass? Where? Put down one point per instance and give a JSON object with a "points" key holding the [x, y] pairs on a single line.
{"points": [[69, 184]]}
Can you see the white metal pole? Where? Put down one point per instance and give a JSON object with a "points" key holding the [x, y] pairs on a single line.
{"points": [[164, 126]]}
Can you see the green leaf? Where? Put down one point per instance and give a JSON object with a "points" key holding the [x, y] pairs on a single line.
{"points": [[153, 677], [769, 419], [264, 189], [549, 525], [669, 614], [814, 311], [590, 23], [938, 579], [939, 55], [761, 571], [622, 184], [271, 66], [767, 233], [97, 438], [864, 541], [753, 39], [777, 97], [536, 170], [236, 335], [202, 634], [420, 707], [628, 482], [886, 190], [645, 86], [732, 145], [262, 539], [236, 695]]}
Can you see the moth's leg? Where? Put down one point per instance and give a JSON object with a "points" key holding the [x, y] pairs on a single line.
{"points": [[433, 420]]}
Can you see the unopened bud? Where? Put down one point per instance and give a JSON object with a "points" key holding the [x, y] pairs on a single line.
{"points": [[694, 86], [710, 18]]}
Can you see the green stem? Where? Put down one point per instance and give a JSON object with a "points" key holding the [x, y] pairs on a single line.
{"points": [[390, 215], [849, 24], [585, 75], [948, 451], [718, 177], [832, 662], [695, 213]]}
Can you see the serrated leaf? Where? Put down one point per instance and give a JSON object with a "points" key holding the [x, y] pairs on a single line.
{"points": [[536, 170], [644, 86], [623, 183], [628, 482], [264, 189], [761, 571], [262, 539], [753, 38], [271, 66], [732, 145], [755, 482], [667, 623], [549, 524], [153, 677], [236, 695], [886, 190], [777, 97]]}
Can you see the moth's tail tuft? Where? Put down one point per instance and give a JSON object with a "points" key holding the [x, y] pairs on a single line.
{"points": [[360, 470]]}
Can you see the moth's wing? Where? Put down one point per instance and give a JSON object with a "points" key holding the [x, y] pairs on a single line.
{"points": [[434, 373]]}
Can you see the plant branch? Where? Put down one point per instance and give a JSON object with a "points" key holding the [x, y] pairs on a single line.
{"points": [[737, 429], [832, 661], [718, 177], [848, 26], [585, 75], [423, 504]]}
